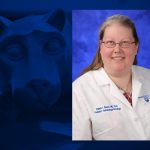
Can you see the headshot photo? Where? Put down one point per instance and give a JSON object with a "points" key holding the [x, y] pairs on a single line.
{"points": [[110, 75]]}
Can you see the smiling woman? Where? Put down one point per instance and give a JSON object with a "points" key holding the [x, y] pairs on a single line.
{"points": [[113, 79], [118, 58]]}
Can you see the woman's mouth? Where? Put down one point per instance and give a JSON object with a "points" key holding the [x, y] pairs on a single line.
{"points": [[118, 58]]}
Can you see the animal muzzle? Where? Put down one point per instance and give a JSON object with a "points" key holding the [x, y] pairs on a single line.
{"points": [[38, 94]]}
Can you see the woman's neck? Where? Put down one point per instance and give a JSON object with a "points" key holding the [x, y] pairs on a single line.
{"points": [[123, 82]]}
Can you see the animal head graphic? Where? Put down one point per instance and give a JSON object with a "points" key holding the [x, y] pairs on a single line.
{"points": [[36, 52]]}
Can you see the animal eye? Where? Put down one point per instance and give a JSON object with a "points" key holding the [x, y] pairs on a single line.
{"points": [[14, 52], [54, 47]]}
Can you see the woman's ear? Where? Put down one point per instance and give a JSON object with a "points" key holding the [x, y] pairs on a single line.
{"points": [[136, 48], [100, 41]]}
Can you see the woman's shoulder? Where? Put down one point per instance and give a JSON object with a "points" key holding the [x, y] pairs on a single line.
{"points": [[141, 69], [141, 72], [87, 78]]}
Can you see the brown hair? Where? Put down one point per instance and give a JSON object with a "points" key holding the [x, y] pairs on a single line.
{"points": [[121, 19]]}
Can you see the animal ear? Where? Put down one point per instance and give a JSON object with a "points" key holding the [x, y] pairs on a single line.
{"points": [[2, 26], [4, 23], [57, 19]]}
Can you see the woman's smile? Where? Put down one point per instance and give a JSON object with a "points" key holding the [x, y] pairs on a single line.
{"points": [[117, 58]]}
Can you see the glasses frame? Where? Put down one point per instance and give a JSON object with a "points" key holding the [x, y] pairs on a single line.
{"points": [[120, 44]]}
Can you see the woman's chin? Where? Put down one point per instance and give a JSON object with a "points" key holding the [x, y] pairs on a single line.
{"points": [[118, 69]]}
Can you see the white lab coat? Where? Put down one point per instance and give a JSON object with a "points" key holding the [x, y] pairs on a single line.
{"points": [[101, 112]]}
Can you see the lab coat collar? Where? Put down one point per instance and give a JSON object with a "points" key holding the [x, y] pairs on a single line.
{"points": [[103, 79]]}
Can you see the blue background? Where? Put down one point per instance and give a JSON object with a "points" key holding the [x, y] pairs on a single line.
{"points": [[85, 30], [55, 133]]}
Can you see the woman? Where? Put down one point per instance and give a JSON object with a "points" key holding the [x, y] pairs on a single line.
{"points": [[111, 98]]}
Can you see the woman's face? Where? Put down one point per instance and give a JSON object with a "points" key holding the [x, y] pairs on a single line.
{"points": [[118, 60]]}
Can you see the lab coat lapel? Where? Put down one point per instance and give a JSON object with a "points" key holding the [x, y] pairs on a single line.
{"points": [[115, 92], [136, 89]]}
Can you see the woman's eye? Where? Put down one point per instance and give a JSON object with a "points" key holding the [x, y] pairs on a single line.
{"points": [[14, 52], [125, 42], [110, 42], [53, 47]]}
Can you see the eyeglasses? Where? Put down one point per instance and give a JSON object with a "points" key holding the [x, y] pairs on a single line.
{"points": [[122, 44]]}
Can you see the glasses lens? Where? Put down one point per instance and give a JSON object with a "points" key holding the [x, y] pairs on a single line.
{"points": [[110, 44], [125, 44]]}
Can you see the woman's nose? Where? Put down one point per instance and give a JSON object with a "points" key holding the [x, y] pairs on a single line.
{"points": [[117, 48]]}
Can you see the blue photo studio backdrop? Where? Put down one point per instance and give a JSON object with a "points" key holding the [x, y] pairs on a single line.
{"points": [[85, 29]]}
